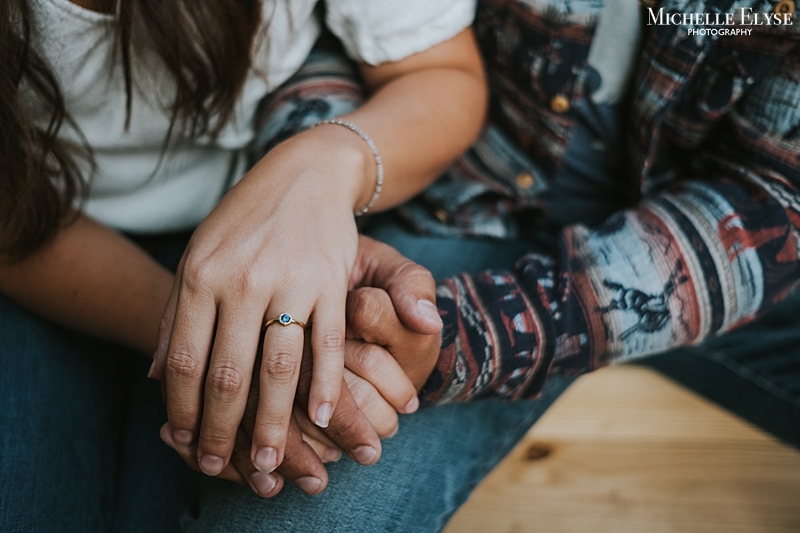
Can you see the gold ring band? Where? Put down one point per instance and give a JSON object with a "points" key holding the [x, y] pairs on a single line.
{"points": [[285, 319]]}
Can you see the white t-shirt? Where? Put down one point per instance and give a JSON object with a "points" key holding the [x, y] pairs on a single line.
{"points": [[131, 189]]}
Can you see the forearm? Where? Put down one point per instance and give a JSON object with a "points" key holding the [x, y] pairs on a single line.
{"points": [[94, 280], [422, 113], [676, 270], [422, 119]]}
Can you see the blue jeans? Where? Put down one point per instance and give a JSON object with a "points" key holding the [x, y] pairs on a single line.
{"points": [[79, 434], [79, 429], [79, 422], [440, 454], [79, 439], [79, 442]]}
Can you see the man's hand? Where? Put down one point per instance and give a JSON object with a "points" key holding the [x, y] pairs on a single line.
{"points": [[391, 309]]}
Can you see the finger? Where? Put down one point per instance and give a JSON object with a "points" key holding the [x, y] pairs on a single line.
{"points": [[327, 344], [411, 286], [227, 384], [165, 330], [280, 365], [310, 429], [189, 454], [352, 432], [325, 453], [372, 316], [185, 367], [349, 430], [380, 413], [265, 484], [377, 366], [301, 465]]}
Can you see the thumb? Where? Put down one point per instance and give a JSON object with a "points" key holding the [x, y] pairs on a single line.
{"points": [[410, 286]]}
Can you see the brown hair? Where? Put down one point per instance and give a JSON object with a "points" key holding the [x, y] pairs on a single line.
{"points": [[205, 46]]}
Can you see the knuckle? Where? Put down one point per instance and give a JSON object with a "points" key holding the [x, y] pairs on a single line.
{"points": [[279, 366], [344, 429], [361, 392], [226, 380], [272, 426], [183, 365], [197, 274], [245, 281], [331, 340], [367, 359], [214, 439], [415, 271], [366, 310]]}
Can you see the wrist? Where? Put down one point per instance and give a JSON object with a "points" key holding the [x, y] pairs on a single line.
{"points": [[346, 160]]}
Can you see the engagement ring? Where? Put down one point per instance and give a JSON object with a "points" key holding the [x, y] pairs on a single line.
{"points": [[285, 319]]}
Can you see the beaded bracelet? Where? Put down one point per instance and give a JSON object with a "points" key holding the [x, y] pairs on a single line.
{"points": [[378, 161]]}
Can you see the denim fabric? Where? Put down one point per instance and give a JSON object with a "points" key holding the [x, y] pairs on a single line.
{"points": [[441, 453], [79, 437], [425, 473], [753, 371], [79, 427], [589, 187]]}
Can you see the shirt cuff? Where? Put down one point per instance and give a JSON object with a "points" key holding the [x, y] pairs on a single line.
{"points": [[443, 376]]}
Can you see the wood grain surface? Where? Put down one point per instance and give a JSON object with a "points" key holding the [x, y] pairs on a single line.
{"points": [[627, 450]]}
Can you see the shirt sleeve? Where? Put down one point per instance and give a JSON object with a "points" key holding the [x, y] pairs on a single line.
{"points": [[389, 30], [683, 266], [710, 253]]}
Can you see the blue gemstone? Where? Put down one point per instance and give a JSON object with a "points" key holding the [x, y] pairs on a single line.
{"points": [[285, 319]]}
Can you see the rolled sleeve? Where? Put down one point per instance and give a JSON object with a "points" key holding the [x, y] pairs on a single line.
{"points": [[377, 32]]}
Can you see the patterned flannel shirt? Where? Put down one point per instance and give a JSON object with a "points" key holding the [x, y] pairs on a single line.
{"points": [[714, 142]]}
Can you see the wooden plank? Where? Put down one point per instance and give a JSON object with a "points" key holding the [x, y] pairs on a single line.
{"points": [[633, 452], [634, 402]]}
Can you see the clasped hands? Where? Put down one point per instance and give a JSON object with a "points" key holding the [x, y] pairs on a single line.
{"points": [[391, 346]]}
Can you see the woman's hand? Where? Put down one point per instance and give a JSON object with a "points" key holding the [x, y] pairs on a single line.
{"points": [[283, 240], [376, 385], [360, 410]]}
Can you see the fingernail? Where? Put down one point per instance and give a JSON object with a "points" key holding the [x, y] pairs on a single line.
{"points": [[263, 481], [152, 366], [166, 435], [323, 415], [411, 406], [309, 484], [211, 465], [428, 309], [365, 455], [266, 459], [331, 456], [181, 436]]}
